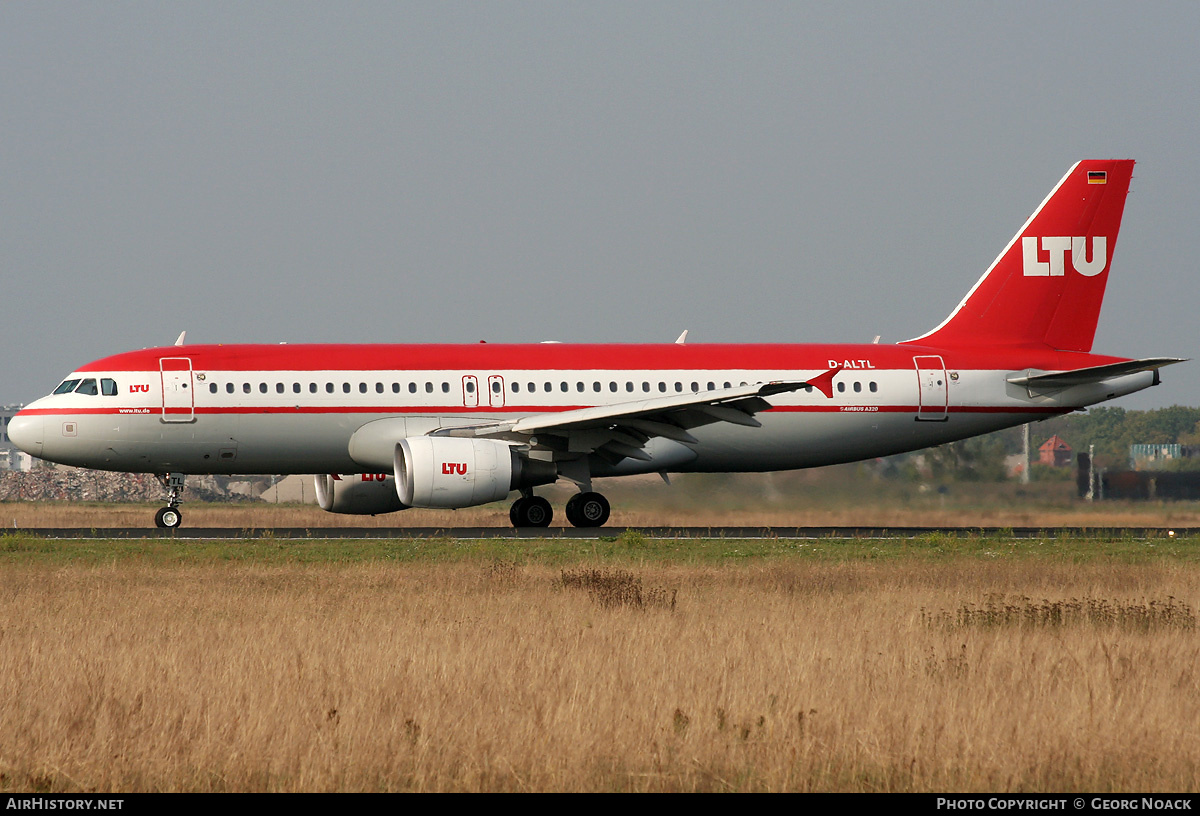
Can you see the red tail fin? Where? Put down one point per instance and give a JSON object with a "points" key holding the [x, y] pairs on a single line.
{"points": [[1047, 285]]}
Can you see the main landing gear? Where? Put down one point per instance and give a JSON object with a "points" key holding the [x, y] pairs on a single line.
{"points": [[169, 517], [583, 510], [588, 509], [531, 511]]}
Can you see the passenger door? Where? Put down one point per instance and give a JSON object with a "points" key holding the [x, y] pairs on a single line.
{"points": [[178, 403]]}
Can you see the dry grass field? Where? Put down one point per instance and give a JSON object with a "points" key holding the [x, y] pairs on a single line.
{"points": [[984, 672]]}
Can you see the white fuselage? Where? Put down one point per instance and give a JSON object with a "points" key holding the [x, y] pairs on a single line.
{"points": [[179, 417]]}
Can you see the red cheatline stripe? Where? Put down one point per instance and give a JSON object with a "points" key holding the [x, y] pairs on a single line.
{"points": [[522, 410]]}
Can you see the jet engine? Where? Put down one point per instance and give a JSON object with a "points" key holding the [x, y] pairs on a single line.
{"points": [[357, 494], [449, 471]]}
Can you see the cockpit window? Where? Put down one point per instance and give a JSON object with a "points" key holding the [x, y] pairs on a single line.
{"points": [[67, 387], [88, 387], [108, 387]]}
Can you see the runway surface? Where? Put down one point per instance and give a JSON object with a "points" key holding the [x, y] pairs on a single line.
{"points": [[666, 533]]}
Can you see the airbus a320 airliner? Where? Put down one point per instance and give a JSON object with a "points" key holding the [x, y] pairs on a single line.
{"points": [[453, 426]]}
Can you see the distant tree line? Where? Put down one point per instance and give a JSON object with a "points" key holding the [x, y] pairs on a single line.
{"points": [[1110, 430], [1113, 430]]}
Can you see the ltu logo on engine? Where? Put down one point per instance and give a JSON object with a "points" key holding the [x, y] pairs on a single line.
{"points": [[1058, 247], [451, 468]]}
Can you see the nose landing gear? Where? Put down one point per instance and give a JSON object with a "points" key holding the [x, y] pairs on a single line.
{"points": [[169, 517]]}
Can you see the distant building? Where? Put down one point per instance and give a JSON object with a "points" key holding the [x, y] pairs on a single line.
{"points": [[1154, 456], [11, 458], [1054, 452]]}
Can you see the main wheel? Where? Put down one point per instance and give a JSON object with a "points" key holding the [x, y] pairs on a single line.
{"points": [[168, 517], [588, 510], [532, 512], [514, 512]]}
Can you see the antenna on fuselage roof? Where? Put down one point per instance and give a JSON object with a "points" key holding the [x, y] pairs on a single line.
{"points": [[182, 336], [875, 342], [682, 339]]}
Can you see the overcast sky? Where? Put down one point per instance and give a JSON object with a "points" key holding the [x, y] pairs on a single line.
{"points": [[602, 171]]}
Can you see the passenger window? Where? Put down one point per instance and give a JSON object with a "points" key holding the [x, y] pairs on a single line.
{"points": [[245, 388], [564, 386], [857, 387], [345, 388], [579, 386], [841, 387], [516, 387], [445, 388], [66, 387], [328, 388], [679, 387], [262, 387], [378, 388], [278, 388], [228, 388], [596, 387], [295, 388], [470, 387], [395, 388], [712, 386], [874, 388], [495, 386], [695, 388], [108, 387], [428, 388], [212, 388], [612, 386], [629, 387], [662, 386], [727, 385], [412, 388], [547, 389], [646, 387], [362, 388], [312, 388]]}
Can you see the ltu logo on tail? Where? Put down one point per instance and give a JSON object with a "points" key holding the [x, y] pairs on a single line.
{"points": [[1058, 247]]}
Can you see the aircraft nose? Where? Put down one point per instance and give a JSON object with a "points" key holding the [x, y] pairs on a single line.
{"points": [[25, 432]]}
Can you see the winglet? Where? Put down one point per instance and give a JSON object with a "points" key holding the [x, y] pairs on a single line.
{"points": [[824, 382]]}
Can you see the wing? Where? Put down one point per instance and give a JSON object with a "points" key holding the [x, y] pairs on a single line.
{"points": [[616, 432]]}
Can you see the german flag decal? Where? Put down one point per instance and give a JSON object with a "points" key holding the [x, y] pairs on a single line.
{"points": [[1097, 176]]}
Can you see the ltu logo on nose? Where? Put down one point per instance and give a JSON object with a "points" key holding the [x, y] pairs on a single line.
{"points": [[1058, 247]]}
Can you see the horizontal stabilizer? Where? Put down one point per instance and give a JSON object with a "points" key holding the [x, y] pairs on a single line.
{"points": [[1094, 374]]}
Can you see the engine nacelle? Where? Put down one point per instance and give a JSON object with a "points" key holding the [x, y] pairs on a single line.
{"points": [[357, 494], [451, 471]]}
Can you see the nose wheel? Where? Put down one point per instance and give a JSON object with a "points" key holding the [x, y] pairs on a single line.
{"points": [[588, 510], [169, 517]]}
